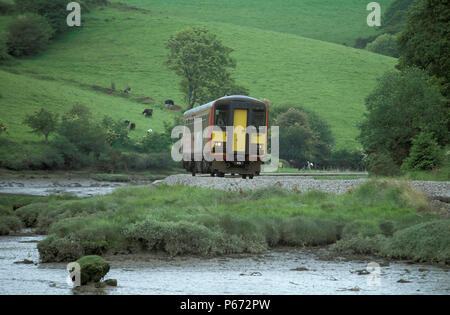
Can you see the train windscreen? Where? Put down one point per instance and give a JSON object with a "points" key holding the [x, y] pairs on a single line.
{"points": [[221, 116], [259, 117]]}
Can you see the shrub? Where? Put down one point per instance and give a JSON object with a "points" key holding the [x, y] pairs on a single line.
{"points": [[385, 44], [361, 43], [425, 153], [28, 35], [360, 245], [381, 164], [428, 242], [56, 249], [29, 213], [11, 222]]}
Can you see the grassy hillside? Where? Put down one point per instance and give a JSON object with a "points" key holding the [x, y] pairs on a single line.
{"points": [[127, 46], [328, 20]]}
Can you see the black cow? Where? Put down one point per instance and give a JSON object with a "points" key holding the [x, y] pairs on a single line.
{"points": [[148, 112], [127, 90], [127, 122], [132, 126], [169, 102]]}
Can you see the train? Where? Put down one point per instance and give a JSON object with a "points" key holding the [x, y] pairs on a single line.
{"points": [[237, 143]]}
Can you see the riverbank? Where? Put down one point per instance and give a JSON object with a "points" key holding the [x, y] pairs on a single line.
{"points": [[374, 218]]}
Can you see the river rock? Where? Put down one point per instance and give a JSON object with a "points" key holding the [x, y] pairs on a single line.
{"points": [[93, 268]]}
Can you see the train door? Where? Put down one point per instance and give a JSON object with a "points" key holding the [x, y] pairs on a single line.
{"points": [[239, 130]]}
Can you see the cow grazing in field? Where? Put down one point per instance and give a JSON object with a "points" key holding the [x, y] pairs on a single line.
{"points": [[169, 102], [148, 112], [127, 90], [132, 126], [127, 122], [149, 132]]}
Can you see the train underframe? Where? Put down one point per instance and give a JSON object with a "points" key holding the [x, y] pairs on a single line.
{"points": [[220, 168]]}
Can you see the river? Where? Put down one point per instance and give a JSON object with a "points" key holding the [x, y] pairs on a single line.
{"points": [[284, 271]]}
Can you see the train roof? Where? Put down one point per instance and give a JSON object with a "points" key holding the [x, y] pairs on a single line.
{"points": [[225, 98]]}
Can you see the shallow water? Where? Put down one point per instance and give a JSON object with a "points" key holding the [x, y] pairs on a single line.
{"points": [[81, 187], [270, 273]]}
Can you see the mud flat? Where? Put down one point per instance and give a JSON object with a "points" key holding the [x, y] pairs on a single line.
{"points": [[81, 187], [285, 271]]}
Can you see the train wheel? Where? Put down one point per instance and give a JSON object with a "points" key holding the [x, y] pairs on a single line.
{"points": [[244, 176], [212, 174], [250, 176], [220, 174], [193, 173]]}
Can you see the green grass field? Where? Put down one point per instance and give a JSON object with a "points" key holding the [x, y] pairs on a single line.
{"points": [[127, 47], [332, 21]]}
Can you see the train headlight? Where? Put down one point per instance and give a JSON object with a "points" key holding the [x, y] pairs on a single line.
{"points": [[220, 147]]}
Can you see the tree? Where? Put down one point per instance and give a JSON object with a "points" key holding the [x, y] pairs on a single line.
{"points": [[425, 153], [202, 61], [402, 105], [297, 140], [54, 11], [425, 43], [28, 35], [42, 122], [385, 44], [396, 16]]}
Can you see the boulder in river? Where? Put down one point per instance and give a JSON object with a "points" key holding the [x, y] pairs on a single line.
{"points": [[93, 269]]}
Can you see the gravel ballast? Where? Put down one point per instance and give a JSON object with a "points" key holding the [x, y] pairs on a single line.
{"points": [[298, 183]]}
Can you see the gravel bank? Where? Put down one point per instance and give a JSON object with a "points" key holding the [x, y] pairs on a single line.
{"points": [[303, 184]]}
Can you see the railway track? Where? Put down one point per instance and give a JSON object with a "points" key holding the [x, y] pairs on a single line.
{"points": [[353, 174]]}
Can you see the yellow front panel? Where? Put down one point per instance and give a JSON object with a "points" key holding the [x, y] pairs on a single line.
{"points": [[240, 126]]}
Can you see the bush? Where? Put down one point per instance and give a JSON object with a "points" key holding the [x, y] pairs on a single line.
{"points": [[425, 153], [56, 249], [29, 213], [381, 164], [361, 43], [11, 222], [385, 44], [424, 242], [28, 35]]}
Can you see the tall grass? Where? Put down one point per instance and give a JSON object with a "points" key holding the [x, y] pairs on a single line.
{"points": [[181, 220]]}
